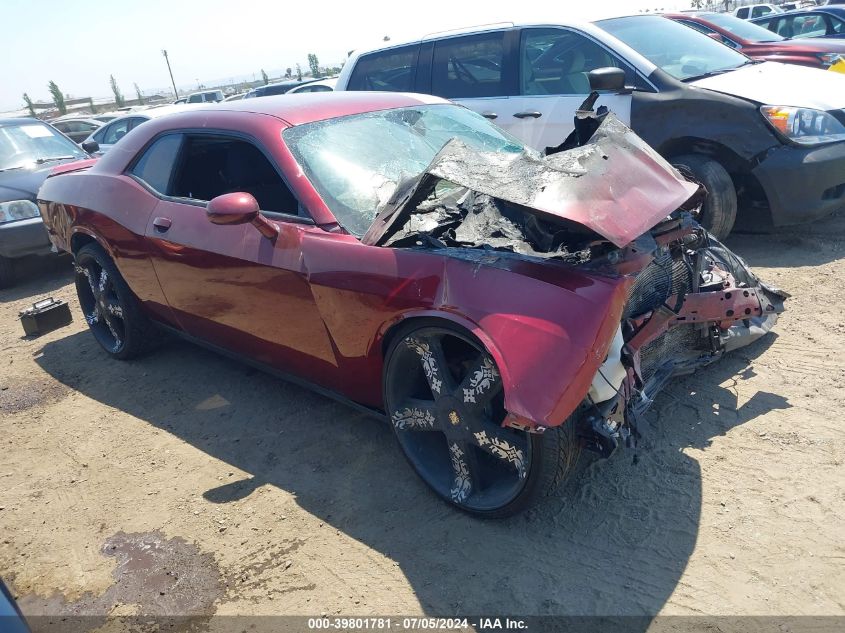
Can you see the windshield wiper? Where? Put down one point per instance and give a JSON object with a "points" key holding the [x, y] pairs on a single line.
{"points": [[41, 161], [12, 168], [712, 73]]}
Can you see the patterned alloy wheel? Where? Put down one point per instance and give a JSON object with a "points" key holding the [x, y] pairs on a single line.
{"points": [[444, 397], [101, 305]]}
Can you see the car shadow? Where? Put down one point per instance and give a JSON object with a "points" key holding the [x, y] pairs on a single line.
{"points": [[613, 541], [37, 277], [811, 244]]}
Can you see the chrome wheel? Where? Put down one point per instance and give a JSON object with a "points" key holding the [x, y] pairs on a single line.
{"points": [[101, 304]]}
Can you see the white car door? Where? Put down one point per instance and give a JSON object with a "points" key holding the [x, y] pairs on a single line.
{"points": [[474, 70], [554, 64]]}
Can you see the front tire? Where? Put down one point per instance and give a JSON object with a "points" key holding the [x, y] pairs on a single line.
{"points": [[443, 395], [108, 305], [718, 213]]}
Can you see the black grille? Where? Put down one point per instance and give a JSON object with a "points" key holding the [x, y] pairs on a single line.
{"points": [[661, 279]]}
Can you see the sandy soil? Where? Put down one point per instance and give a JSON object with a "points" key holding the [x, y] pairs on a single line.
{"points": [[187, 483]]}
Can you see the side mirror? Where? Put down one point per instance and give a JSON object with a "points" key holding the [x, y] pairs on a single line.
{"points": [[607, 79], [240, 208], [92, 147]]}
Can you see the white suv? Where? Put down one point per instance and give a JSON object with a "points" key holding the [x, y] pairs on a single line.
{"points": [[765, 138], [751, 11]]}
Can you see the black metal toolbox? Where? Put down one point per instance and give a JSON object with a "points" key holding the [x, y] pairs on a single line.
{"points": [[45, 316]]}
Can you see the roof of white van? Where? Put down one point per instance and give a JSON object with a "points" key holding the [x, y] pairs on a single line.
{"points": [[587, 27]]}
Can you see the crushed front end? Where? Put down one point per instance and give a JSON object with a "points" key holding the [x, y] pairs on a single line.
{"points": [[606, 204], [692, 300]]}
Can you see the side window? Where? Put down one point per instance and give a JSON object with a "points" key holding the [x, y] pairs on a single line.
{"points": [[742, 13], [156, 164], [836, 25], [100, 134], [195, 99], [557, 62], [213, 165], [759, 12], [392, 70], [116, 131], [697, 26], [467, 67]]}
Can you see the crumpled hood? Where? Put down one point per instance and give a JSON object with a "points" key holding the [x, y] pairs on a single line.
{"points": [[772, 83], [615, 185]]}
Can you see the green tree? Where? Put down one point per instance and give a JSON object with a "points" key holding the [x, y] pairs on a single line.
{"points": [[298, 73], [264, 77], [91, 105], [118, 96], [288, 73], [29, 105], [58, 97], [697, 4], [139, 94], [314, 63]]}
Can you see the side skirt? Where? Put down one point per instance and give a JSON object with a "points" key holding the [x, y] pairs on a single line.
{"points": [[246, 360]]}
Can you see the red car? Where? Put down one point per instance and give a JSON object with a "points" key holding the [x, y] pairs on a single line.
{"points": [[760, 43], [501, 308]]}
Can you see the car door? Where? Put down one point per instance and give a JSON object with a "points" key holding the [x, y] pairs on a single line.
{"points": [[553, 68], [477, 71], [229, 285]]}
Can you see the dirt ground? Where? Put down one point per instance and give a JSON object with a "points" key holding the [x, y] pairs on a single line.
{"points": [[187, 483]]}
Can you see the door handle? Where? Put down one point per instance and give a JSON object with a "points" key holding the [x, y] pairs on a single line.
{"points": [[490, 115], [528, 114], [162, 224]]}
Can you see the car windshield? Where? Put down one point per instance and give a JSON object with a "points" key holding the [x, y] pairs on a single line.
{"points": [[27, 144], [676, 49], [355, 162], [742, 28]]}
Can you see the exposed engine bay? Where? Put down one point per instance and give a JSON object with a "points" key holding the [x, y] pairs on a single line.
{"points": [[606, 202]]}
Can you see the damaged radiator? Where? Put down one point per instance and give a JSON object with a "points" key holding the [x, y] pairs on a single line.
{"points": [[662, 278]]}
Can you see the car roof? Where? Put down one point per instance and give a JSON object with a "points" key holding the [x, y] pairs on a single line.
{"points": [[836, 9], [309, 107], [592, 29]]}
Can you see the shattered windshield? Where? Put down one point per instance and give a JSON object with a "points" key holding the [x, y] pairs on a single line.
{"points": [[25, 145], [355, 162]]}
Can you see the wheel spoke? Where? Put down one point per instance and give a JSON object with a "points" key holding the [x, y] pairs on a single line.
{"points": [[114, 309], [94, 316], [415, 415], [461, 477], [433, 363], [493, 443], [103, 281], [109, 320], [89, 275], [482, 382]]}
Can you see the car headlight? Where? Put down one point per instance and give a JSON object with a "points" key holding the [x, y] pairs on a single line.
{"points": [[17, 210], [803, 125], [828, 59]]}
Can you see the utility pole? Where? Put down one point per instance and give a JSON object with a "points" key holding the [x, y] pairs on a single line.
{"points": [[176, 92]]}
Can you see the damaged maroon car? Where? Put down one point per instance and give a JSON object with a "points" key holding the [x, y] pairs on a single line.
{"points": [[503, 309]]}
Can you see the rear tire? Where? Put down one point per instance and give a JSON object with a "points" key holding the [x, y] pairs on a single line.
{"points": [[718, 213], [456, 444], [7, 272], [108, 305]]}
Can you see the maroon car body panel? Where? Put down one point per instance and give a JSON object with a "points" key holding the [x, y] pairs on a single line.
{"points": [[317, 303], [799, 51]]}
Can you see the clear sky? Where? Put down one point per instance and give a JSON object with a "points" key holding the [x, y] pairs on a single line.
{"points": [[79, 44]]}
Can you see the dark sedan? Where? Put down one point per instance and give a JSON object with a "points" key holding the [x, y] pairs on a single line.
{"points": [[807, 23], [77, 129], [758, 43], [28, 150]]}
